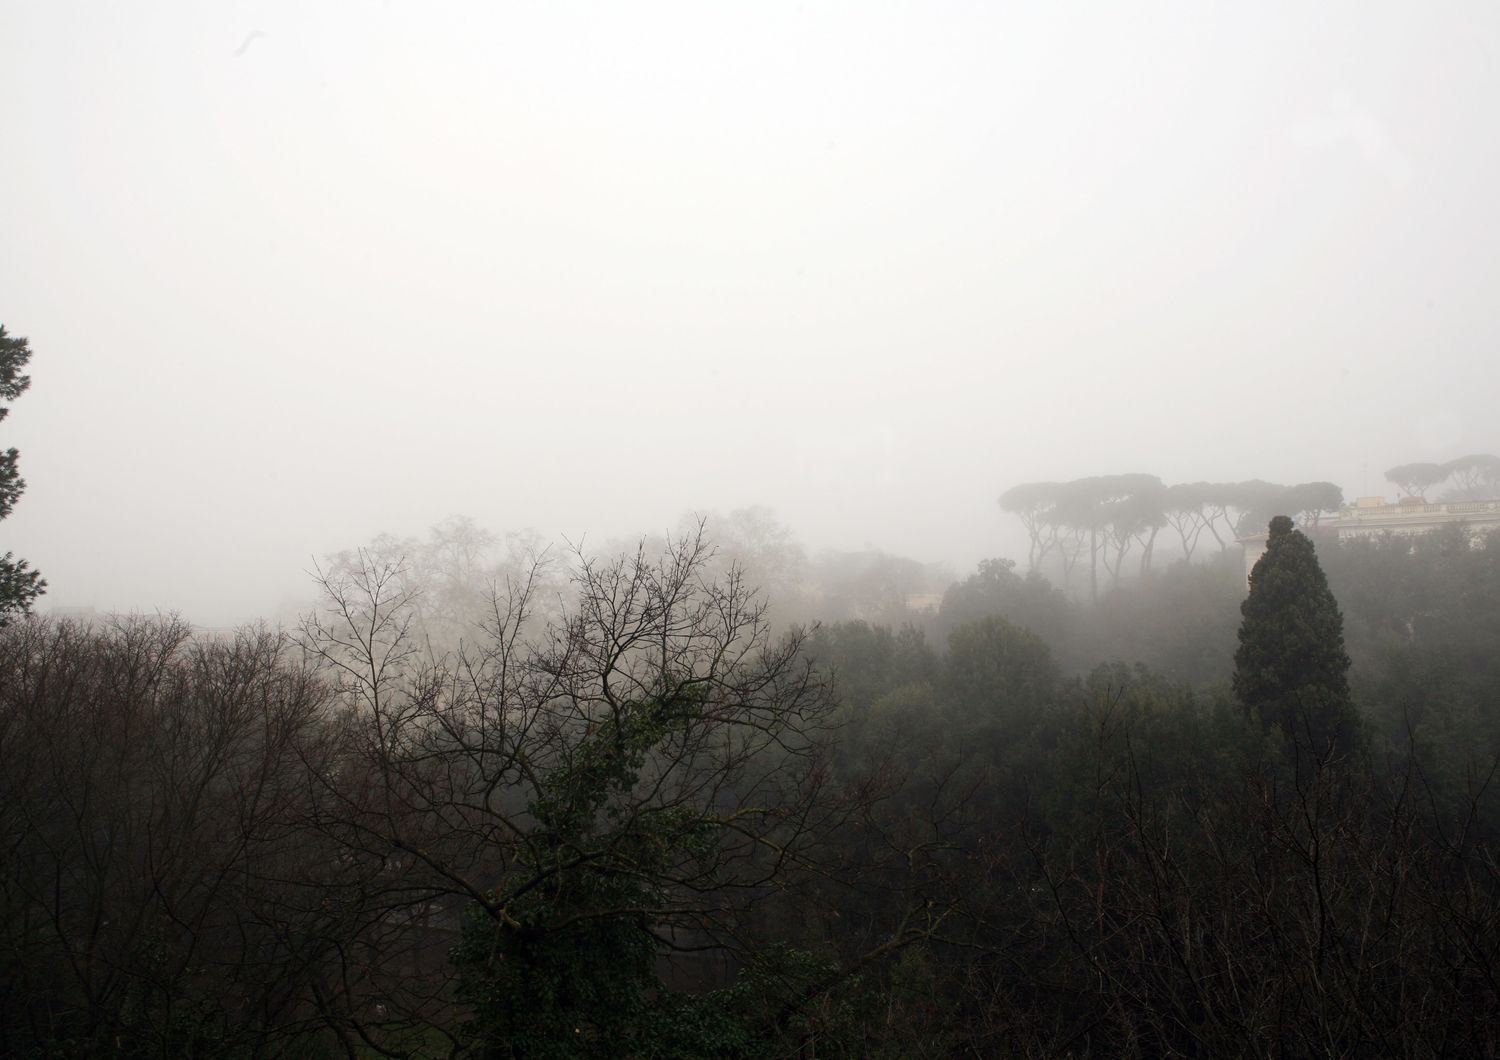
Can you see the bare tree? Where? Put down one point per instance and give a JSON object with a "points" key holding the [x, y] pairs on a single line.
{"points": [[632, 779], [162, 891]]}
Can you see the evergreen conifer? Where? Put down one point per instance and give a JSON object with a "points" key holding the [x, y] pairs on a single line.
{"points": [[19, 586], [1291, 670]]}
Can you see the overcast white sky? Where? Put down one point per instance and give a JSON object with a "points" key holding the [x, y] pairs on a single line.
{"points": [[296, 274]]}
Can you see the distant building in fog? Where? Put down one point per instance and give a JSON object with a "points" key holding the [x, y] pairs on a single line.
{"points": [[1373, 516]]}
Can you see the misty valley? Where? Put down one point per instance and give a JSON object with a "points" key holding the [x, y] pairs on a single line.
{"points": [[706, 794], [795, 530]]}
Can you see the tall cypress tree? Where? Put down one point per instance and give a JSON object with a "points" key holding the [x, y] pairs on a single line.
{"points": [[19, 586], [1291, 670]]}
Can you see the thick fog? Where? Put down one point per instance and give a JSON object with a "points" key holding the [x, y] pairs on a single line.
{"points": [[296, 275]]}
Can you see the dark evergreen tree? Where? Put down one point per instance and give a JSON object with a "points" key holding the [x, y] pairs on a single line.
{"points": [[1291, 670], [19, 586]]}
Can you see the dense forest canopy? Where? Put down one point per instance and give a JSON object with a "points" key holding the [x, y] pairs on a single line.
{"points": [[709, 795], [495, 800]]}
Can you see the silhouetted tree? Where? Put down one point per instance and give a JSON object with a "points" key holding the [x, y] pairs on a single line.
{"points": [[1035, 504], [1476, 477], [1291, 670], [1108, 510], [635, 779], [1309, 500], [1254, 502], [19, 586], [1136, 516], [1183, 509], [1416, 479], [164, 893]]}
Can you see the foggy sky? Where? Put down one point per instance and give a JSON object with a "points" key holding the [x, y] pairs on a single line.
{"points": [[296, 274]]}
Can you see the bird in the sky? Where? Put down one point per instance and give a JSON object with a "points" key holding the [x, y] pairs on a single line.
{"points": [[250, 38]]}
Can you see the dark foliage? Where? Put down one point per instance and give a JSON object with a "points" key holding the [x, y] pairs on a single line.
{"points": [[644, 827], [1291, 671], [19, 585]]}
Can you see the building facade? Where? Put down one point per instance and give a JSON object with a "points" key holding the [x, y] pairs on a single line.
{"points": [[1374, 516]]}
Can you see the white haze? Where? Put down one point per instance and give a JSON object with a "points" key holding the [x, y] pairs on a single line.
{"points": [[296, 274]]}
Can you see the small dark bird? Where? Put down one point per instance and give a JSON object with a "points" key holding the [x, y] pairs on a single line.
{"points": [[250, 38]]}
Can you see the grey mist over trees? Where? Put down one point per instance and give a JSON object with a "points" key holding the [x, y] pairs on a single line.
{"points": [[620, 814], [1475, 476], [1099, 522], [721, 530], [353, 269]]}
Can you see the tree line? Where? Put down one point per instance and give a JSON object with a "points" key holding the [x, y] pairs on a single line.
{"points": [[627, 817], [608, 805], [1106, 518], [1474, 477]]}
